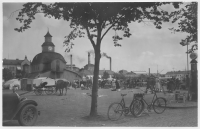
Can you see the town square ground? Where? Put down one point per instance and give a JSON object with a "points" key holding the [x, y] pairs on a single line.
{"points": [[73, 110]]}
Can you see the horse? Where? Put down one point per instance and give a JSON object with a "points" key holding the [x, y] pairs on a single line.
{"points": [[61, 85]]}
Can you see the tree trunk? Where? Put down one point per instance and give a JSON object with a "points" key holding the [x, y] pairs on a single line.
{"points": [[93, 111]]}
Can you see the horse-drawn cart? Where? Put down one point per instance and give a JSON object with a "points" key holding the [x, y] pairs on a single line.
{"points": [[48, 85], [44, 85], [47, 89]]}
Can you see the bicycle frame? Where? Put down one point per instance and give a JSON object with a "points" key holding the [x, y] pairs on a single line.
{"points": [[122, 102], [154, 98]]}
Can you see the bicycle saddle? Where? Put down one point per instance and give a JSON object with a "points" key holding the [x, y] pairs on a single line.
{"points": [[123, 94]]}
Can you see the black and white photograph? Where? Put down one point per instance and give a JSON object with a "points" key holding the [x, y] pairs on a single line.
{"points": [[100, 64]]}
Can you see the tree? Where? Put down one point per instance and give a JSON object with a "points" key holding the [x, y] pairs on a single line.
{"points": [[105, 75], [119, 76], [187, 22], [20, 74], [95, 20], [7, 74]]}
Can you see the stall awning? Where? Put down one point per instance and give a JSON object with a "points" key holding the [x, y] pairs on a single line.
{"points": [[19, 68]]}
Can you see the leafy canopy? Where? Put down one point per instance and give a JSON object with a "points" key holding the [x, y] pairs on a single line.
{"points": [[187, 22], [7, 74], [105, 75], [95, 17]]}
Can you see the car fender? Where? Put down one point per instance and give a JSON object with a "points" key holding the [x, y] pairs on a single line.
{"points": [[21, 105]]}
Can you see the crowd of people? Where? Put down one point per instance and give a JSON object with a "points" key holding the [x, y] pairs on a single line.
{"points": [[116, 84]]}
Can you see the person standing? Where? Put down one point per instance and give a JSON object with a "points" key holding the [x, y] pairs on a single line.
{"points": [[158, 84], [117, 84]]}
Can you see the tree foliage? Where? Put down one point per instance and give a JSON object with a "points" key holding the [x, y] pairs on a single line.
{"points": [[7, 74], [119, 76], [93, 17], [187, 22], [94, 20], [105, 75]]}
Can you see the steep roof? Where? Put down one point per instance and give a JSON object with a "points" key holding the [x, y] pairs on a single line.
{"points": [[47, 57], [48, 44], [12, 62], [48, 34], [85, 72], [78, 74]]}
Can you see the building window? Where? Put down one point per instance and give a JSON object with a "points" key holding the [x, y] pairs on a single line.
{"points": [[12, 68]]}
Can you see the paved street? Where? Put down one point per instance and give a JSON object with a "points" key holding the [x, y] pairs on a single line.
{"points": [[73, 109]]}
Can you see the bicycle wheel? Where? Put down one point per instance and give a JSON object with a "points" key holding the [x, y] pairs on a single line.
{"points": [[159, 105], [115, 111], [136, 108], [38, 91], [49, 90]]}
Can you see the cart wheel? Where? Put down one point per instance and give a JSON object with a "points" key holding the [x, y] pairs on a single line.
{"points": [[49, 90], [54, 90], [38, 91], [28, 115]]}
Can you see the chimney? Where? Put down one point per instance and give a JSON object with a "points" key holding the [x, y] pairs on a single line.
{"points": [[71, 62], [110, 63], [149, 71], [88, 58]]}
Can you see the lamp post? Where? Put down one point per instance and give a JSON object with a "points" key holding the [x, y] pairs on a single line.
{"points": [[187, 61]]}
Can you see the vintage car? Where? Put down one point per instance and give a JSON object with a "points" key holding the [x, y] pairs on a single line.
{"points": [[19, 108]]}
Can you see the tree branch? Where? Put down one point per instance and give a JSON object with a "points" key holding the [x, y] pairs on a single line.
{"points": [[107, 30], [90, 37], [110, 27]]}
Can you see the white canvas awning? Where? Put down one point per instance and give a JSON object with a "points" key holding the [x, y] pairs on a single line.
{"points": [[18, 68]]}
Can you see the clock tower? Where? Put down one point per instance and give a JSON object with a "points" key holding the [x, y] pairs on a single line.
{"points": [[48, 46]]}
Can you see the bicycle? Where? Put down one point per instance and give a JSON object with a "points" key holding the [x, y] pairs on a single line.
{"points": [[158, 104], [116, 109]]}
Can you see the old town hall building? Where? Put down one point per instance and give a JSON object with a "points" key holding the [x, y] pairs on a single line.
{"points": [[50, 64]]}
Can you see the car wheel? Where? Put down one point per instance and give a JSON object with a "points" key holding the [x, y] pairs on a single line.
{"points": [[28, 115]]}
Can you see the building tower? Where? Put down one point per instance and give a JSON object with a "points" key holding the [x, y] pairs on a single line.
{"points": [[48, 46]]}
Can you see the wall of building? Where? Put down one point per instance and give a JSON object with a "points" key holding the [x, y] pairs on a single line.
{"points": [[70, 76], [45, 48], [25, 66], [13, 68], [55, 65], [36, 68]]}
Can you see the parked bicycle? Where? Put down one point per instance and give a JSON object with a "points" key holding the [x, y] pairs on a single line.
{"points": [[158, 104], [116, 109]]}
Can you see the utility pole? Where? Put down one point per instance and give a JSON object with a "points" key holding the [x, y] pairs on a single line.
{"points": [[55, 73], [187, 61], [157, 70]]}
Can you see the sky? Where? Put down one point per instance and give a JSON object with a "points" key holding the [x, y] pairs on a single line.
{"points": [[147, 47]]}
